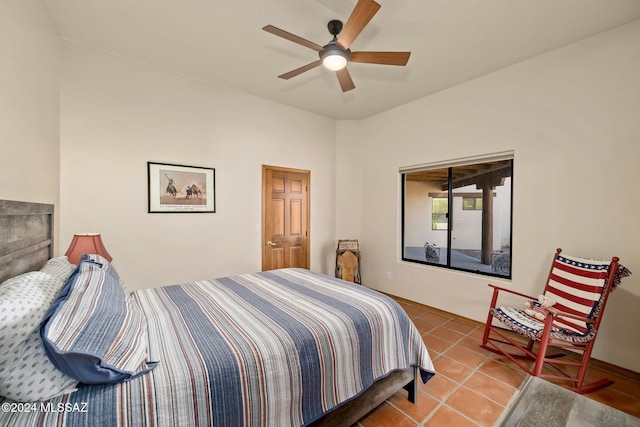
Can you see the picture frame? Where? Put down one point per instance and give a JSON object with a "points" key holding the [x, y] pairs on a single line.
{"points": [[174, 188]]}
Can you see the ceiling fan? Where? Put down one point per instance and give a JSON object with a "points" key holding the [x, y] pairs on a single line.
{"points": [[336, 53]]}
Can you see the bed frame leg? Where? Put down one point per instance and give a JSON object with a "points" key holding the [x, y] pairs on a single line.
{"points": [[412, 387]]}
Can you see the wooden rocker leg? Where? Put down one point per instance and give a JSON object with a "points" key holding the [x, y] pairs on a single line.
{"points": [[578, 378], [582, 388], [594, 386]]}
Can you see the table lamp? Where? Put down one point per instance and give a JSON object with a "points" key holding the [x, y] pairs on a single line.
{"points": [[88, 243]]}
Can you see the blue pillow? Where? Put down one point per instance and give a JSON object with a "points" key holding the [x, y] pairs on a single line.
{"points": [[94, 331]]}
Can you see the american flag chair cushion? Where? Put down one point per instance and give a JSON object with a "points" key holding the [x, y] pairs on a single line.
{"points": [[577, 285]]}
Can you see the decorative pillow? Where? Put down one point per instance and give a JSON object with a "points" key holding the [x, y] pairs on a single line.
{"points": [[59, 267], [94, 331], [24, 300]]}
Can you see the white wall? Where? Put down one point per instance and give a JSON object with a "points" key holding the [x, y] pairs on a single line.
{"points": [[571, 117], [29, 103], [117, 114], [348, 179]]}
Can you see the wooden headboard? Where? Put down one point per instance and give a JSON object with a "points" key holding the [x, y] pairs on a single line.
{"points": [[26, 236]]}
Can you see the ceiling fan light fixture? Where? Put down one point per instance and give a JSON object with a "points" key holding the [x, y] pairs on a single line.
{"points": [[334, 58], [334, 62]]}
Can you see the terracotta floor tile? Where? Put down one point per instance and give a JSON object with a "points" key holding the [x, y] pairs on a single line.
{"points": [[486, 386], [423, 407], [446, 334], [625, 385], [447, 417], [472, 343], [465, 356], [460, 326], [414, 311], [503, 372], [451, 369], [386, 415], [435, 318], [424, 325], [612, 397], [549, 370], [522, 341], [475, 406], [434, 354], [439, 387], [478, 333], [594, 374], [437, 344]]}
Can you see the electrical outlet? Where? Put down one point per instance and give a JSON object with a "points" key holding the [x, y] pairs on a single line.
{"points": [[388, 275]]}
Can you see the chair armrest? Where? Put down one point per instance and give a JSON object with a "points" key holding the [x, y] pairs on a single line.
{"points": [[558, 313], [499, 288]]}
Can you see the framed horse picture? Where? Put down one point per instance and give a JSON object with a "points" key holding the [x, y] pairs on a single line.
{"points": [[180, 188]]}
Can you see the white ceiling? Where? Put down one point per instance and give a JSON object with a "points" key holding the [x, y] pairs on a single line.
{"points": [[222, 42]]}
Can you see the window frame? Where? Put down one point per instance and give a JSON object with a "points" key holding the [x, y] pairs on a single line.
{"points": [[475, 203], [450, 166]]}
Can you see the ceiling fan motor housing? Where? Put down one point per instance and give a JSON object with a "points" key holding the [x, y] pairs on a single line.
{"points": [[333, 49], [334, 27]]}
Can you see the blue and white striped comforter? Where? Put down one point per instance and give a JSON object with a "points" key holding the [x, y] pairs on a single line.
{"points": [[277, 348]]}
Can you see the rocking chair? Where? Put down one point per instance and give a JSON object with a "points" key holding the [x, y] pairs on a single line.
{"points": [[567, 317]]}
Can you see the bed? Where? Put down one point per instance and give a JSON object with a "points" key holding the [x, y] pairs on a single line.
{"points": [[283, 347]]}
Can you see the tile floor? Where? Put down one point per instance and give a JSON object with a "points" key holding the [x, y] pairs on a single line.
{"points": [[473, 386]]}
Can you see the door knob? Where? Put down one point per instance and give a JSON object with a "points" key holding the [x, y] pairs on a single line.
{"points": [[270, 243]]}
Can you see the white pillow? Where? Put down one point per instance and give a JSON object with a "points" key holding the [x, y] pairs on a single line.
{"points": [[27, 374], [24, 300], [59, 267]]}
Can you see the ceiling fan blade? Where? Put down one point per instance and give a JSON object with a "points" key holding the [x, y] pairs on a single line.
{"points": [[346, 83], [292, 37], [383, 58], [300, 70], [360, 17]]}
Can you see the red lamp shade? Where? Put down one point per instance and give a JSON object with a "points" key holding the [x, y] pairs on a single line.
{"points": [[86, 244]]}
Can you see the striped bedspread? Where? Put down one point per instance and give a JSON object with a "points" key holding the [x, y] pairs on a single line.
{"points": [[277, 348]]}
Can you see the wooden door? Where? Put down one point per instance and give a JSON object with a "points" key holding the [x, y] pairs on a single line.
{"points": [[285, 218]]}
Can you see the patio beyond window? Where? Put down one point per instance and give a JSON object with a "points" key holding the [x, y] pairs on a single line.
{"points": [[459, 217]]}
